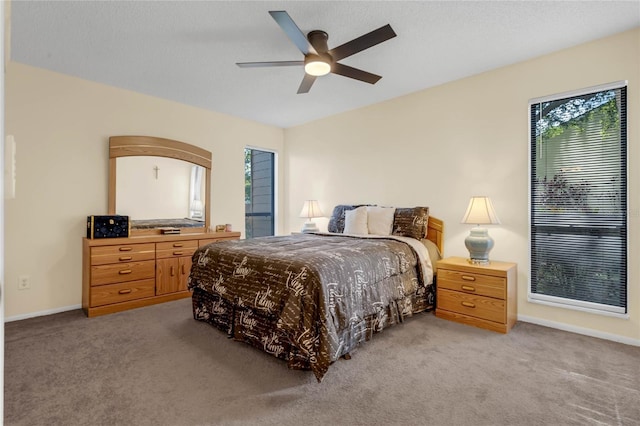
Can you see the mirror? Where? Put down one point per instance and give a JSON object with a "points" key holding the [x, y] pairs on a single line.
{"points": [[159, 183], [164, 188]]}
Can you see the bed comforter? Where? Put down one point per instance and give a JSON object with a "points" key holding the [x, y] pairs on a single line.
{"points": [[309, 298]]}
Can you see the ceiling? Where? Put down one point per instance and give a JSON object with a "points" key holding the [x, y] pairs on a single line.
{"points": [[186, 51]]}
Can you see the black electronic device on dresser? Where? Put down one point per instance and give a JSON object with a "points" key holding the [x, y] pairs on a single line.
{"points": [[108, 226]]}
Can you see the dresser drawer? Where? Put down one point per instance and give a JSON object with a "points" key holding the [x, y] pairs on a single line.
{"points": [[471, 283], [214, 240], [122, 292], [176, 249], [131, 271], [477, 306], [122, 253], [217, 239]]}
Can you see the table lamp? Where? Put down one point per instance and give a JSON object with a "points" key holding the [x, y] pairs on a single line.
{"points": [[310, 209], [478, 242]]}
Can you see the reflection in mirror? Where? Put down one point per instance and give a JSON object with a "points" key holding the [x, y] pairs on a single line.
{"points": [[159, 191], [196, 193]]}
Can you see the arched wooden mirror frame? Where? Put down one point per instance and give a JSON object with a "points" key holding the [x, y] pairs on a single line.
{"points": [[127, 146]]}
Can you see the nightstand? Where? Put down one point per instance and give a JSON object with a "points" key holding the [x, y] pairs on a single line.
{"points": [[480, 295]]}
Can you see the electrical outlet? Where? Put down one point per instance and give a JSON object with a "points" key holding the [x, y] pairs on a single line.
{"points": [[24, 282]]}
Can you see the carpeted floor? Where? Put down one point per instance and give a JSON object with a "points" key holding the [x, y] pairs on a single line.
{"points": [[158, 366]]}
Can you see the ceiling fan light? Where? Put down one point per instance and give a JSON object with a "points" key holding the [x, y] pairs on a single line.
{"points": [[317, 67]]}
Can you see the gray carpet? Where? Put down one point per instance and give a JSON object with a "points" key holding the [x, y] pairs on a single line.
{"points": [[158, 366]]}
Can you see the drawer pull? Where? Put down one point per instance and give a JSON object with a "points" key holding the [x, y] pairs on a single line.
{"points": [[177, 253], [125, 291], [126, 248], [468, 288], [468, 304], [125, 271], [178, 244], [468, 278], [123, 258]]}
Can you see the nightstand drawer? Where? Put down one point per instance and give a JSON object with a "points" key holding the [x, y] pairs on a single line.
{"points": [[471, 283], [477, 306]]}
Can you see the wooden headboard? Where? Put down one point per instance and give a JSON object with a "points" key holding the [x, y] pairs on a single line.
{"points": [[435, 233]]}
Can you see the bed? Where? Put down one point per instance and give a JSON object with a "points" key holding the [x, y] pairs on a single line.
{"points": [[312, 298]]}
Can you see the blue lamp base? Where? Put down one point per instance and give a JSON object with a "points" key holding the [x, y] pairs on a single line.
{"points": [[479, 244]]}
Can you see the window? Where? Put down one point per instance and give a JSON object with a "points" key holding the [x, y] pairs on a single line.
{"points": [[259, 195], [196, 193], [579, 199]]}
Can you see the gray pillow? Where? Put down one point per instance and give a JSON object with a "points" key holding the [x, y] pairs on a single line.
{"points": [[336, 222]]}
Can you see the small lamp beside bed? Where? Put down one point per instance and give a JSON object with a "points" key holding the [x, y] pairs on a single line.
{"points": [[479, 212], [310, 210]]}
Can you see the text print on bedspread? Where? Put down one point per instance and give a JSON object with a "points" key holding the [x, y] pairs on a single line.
{"points": [[263, 300], [322, 294], [241, 269], [272, 345], [295, 282]]}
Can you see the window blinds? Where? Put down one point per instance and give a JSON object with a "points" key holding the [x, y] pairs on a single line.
{"points": [[579, 199], [259, 193]]}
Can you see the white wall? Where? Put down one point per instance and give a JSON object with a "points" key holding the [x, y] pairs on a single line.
{"points": [[440, 146], [61, 126]]}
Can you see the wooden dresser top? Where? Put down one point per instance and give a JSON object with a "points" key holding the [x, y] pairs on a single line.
{"points": [[158, 238]]}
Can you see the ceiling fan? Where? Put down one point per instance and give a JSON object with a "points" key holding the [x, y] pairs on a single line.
{"points": [[318, 59]]}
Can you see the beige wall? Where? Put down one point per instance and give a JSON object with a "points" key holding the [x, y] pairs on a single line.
{"points": [[61, 126], [440, 146]]}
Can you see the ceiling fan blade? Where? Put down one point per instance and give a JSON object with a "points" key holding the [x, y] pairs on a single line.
{"points": [[292, 31], [355, 73], [269, 64], [363, 42], [307, 81]]}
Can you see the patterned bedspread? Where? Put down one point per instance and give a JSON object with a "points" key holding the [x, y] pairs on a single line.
{"points": [[324, 293]]}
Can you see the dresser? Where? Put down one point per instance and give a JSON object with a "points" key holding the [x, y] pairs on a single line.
{"points": [[480, 295], [126, 273]]}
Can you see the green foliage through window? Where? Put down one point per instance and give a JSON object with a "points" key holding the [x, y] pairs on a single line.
{"points": [[576, 113], [247, 176]]}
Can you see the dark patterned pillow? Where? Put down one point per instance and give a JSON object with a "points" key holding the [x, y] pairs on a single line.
{"points": [[411, 222], [336, 223]]}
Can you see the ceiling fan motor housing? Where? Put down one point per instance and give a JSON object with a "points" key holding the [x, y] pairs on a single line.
{"points": [[318, 40]]}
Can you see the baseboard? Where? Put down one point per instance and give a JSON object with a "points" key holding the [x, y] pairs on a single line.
{"points": [[42, 313], [580, 330]]}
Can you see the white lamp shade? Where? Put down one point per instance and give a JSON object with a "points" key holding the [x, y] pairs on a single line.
{"points": [[480, 212], [310, 209]]}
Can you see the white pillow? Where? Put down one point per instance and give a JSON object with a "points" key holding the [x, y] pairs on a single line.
{"points": [[380, 220], [355, 221]]}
